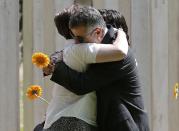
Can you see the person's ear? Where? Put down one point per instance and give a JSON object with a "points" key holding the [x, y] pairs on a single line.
{"points": [[99, 33]]}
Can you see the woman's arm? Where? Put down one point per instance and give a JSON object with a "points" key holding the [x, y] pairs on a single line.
{"points": [[88, 53], [113, 52]]}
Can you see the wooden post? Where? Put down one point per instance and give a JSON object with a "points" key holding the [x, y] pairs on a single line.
{"points": [[173, 63], [159, 19], [9, 66], [141, 41], [27, 65]]}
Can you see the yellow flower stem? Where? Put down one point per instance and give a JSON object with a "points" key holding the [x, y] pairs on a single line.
{"points": [[41, 98]]}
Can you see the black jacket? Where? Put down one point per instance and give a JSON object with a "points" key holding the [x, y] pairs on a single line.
{"points": [[117, 87]]}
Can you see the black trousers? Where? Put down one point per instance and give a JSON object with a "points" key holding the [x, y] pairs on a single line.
{"points": [[67, 124]]}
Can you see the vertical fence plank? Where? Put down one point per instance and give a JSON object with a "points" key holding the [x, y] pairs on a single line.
{"points": [[141, 41], [159, 66], [27, 65], [173, 63], [9, 66]]}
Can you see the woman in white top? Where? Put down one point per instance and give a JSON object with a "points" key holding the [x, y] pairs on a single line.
{"points": [[67, 111]]}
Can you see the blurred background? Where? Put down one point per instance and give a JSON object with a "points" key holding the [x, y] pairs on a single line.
{"points": [[27, 26]]}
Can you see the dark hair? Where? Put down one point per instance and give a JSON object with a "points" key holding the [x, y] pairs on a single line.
{"points": [[87, 16], [116, 19], [62, 21], [112, 17]]}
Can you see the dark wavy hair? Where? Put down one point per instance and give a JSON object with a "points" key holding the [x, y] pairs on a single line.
{"points": [[116, 19], [62, 21]]}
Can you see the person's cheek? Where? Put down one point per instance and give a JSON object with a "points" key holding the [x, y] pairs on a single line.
{"points": [[96, 37]]}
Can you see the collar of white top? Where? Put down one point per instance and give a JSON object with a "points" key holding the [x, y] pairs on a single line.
{"points": [[70, 41], [105, 31]]}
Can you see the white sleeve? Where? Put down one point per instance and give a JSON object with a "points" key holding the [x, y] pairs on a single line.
{"points": [[86, 52], [91, 52]]}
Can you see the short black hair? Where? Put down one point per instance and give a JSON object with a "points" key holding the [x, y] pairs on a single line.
{"points": [[86, 16]]}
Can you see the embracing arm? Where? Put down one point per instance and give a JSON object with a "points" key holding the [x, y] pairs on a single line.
{"points": [[100, 53], [89, 53], [113, 52], [81, 83]]}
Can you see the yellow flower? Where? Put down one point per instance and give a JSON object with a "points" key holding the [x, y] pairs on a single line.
{"points": [[40, 59], [176, 90], [34, 92]]}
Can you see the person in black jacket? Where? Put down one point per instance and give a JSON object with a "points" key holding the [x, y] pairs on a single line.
{"points": [[119, 99]]}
